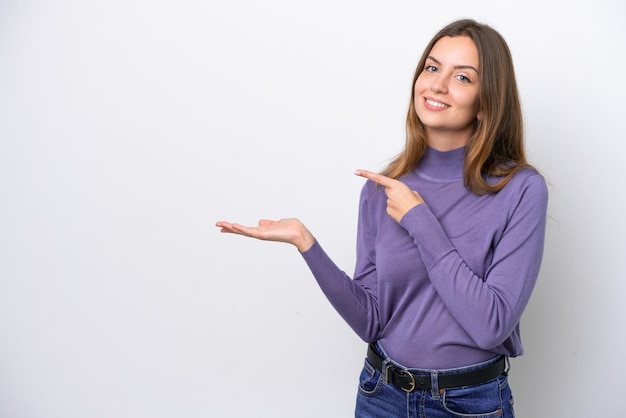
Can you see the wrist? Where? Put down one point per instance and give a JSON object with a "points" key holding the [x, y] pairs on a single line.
{"points": [[305, 241]]}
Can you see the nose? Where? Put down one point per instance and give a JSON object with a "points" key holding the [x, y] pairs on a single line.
{"points": [[439, 85]]}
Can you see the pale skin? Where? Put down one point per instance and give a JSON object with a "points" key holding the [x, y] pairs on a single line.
{"points": [[446, 97]]}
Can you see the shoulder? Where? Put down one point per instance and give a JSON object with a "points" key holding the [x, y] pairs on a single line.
{"points": [[373, 199], [529, 178], [371, 190], [527, 187]]}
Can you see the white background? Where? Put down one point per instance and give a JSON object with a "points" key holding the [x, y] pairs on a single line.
{"points": [[127, 128]]}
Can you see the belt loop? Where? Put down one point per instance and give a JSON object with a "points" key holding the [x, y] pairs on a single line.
{"points": [[434, 384], [385, 369]]}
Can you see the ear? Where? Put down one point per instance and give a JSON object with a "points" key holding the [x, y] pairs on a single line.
{"points": [[479, 116]]}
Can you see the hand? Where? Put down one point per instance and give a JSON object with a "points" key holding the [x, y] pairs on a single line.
{"points": [[400, 198], [289, 230]]}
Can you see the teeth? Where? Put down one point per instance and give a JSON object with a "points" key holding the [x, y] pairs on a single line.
{"points": [[436, 104]]}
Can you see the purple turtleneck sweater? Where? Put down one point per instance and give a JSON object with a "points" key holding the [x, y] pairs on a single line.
{"points": [[445, 287]]}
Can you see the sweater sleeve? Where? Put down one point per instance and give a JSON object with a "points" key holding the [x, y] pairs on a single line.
{"points": [[490, 307], [355, 300]]}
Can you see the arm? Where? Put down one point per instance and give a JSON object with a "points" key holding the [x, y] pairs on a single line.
{"points": [[489, 307], [355, 300]]}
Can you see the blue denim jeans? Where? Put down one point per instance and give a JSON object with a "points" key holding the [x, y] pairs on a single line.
{"points": [[377, 398]]}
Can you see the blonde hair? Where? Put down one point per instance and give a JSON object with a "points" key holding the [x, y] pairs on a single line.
{"points": [[496, 147]]}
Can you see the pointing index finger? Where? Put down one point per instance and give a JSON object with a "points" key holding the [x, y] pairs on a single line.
{"points": [[375, 177]]}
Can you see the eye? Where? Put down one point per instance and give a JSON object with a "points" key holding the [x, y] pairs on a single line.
{"points": [[463, 78], [431, 68]]}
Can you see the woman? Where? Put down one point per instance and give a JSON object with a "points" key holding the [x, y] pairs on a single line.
{"points": [[449, 244]]}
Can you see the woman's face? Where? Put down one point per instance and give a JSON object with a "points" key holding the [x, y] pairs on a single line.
{"points": [[446, 92]]}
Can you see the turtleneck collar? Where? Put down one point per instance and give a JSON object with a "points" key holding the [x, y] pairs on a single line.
{"points": [[442, 165]]}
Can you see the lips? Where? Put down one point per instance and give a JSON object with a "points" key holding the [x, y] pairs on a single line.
{"points": [[435, 104]]}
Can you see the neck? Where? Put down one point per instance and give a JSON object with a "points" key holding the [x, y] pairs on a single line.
{"points": [[447, 140], [442, 165]]}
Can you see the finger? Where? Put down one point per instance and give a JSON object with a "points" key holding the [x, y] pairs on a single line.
{"points": [[248, 231], [376, 178], [227, 228], [232, 228], [223, 224]]}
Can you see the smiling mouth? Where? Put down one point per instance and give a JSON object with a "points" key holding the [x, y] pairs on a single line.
{"points": [[438, 105]]}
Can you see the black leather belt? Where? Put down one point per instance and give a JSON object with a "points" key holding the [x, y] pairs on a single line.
{"points": [[409, 382]]}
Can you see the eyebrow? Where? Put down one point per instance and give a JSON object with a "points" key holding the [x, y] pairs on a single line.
{"points": [[458, 67]]}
